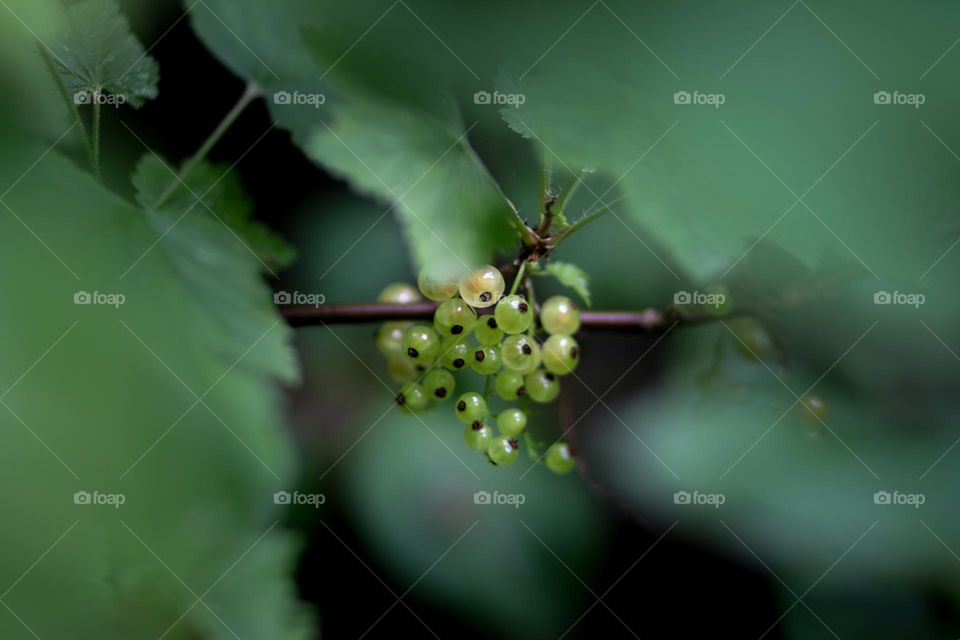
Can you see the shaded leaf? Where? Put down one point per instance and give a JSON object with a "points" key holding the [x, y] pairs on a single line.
{"points": [[98, 54]]}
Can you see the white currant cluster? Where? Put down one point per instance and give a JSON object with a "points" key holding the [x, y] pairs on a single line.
{"points": [[501, 346]]}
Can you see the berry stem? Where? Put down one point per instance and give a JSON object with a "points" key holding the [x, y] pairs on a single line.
{"points": [[586, 219], [646, 320], [521, 272], [250, 93]]}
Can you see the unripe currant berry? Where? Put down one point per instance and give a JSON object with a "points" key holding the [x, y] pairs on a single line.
{"points": [[486, 360], [413, 398], [439, 384], [514, 314], [559, 458], [511, 422], [389, 339], [559, 316], [402, 369], [520, 353], [437, 289], [509, 384], [421, 344], [454, 353], [470, 407], [487, 331], [399, 293], [454, 317], [503, 451], [561, 354], [541, 386], [482, 287], [478, 435]]}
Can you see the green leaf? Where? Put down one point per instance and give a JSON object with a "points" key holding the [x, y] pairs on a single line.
{"points": [[258, 41], [104, 398], [98, 54], [214, 190], [570, 275], [452, 211]]}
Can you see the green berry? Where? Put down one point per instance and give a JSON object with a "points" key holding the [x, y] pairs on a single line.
{"points": [[471, 407], [503, 451], [478, 435], [512, 422], [454, 353], [559, 458], [559, 316], [439, 384], [454, 317], [514, 314], [509, 384], [421, 344], [520, 353], [488, 332], [437, 289], [389, 339], [561, 354], [541, 386], [402, 369], [399, 293], [482, 287], [751, 340], [485, 360], [413, 398]]}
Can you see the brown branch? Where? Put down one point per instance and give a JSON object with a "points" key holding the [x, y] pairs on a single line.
{"points": [[645, 320]]}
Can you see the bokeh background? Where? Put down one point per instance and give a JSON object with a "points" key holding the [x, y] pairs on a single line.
{"points": [[803, 193]]}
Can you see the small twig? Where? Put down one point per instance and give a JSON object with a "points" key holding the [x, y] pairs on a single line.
{"points": [[645, 320], [250, 93], [586, 219]]}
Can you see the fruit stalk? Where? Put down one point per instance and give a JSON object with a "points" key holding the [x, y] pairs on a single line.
{"points": [[644, 320]]}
